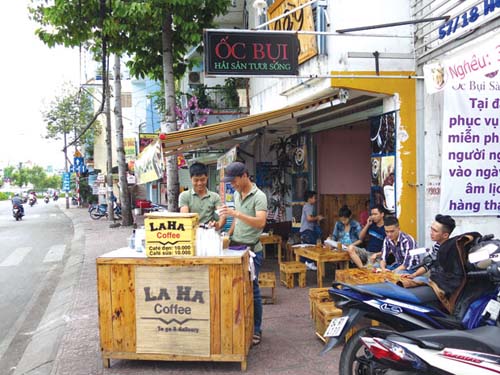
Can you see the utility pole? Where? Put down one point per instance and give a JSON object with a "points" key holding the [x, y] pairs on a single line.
{"points": [[66, 166]]}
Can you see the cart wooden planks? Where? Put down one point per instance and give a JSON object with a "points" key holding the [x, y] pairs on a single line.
{"points": [[140, 299]]}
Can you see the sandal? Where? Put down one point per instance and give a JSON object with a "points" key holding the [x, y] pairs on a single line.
{"points": [[256, 338]]}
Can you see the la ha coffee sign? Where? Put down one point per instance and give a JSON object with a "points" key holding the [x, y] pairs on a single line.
{"points": [[251, 53], [173, 310]]}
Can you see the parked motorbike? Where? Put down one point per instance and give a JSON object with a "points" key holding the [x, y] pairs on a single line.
{"points": [[401, 309], [17, 212], [96, 211], [475, 351]]}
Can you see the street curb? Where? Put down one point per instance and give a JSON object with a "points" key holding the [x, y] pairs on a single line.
{"points": [[40, 354]]}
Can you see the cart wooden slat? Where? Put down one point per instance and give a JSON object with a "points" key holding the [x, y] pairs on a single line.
{"points": [[230, 314]]}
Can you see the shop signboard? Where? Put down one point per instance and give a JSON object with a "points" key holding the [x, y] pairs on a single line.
{"points": [[173, 310], [66, 181], [251, 53], [470, 154], [170, 234], [299, 20]]}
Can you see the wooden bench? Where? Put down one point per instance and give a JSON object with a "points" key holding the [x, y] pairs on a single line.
{"points": [[268, 280], [287, 272], [325, 312]]}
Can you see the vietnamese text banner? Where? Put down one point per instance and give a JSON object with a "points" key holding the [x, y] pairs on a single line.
{"points": [[470, 183]]}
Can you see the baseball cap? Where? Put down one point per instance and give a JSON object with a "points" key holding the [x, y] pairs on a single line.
{"points": [[235, 169]]}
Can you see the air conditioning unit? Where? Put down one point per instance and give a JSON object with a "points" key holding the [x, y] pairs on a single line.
{"points": [[195, 78]]}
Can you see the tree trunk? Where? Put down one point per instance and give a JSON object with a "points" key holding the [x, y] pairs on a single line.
{"points": [[120, 149], [169, 82], [109, 149]]}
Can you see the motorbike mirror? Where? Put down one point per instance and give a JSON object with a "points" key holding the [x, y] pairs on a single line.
{"points": [[482, 255]]}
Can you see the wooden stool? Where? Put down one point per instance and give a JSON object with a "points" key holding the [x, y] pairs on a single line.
{"points": [[317, 295], [325, 312], [288, 269], [268, 280]]}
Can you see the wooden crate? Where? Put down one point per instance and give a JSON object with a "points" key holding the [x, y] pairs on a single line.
{"points": [[268, 280], [325, 312], [230, 312], [317, 295], [287, 272]]}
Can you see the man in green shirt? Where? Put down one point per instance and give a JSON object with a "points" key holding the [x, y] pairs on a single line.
{"points": [[249, 219], [200, 200]]}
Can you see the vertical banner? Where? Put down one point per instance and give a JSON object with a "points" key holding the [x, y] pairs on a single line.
{"points": [[149, 165], [129, 146], [383, 147], [173, 310], [470, 183]]}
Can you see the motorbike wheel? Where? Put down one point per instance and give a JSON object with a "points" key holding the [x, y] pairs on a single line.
{"points": [[356, 359], [94, 214]]}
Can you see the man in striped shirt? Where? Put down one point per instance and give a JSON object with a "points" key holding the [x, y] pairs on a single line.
{"points": [[441, 229], [399, 244]]}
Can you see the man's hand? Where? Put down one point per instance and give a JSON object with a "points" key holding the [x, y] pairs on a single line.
{"points": [[373, 258], [319, 217], [408, 276], [227, 211]]}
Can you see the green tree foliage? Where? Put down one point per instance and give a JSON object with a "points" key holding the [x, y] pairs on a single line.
{"points": [[69, 113], [37, 177], [129, 27], [7, 171], [155, 34]]}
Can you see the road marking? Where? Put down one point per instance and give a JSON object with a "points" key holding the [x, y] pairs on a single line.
{"points": [[53, 215], [16, 257], [34, 215], [7, 339], [55, 254]]}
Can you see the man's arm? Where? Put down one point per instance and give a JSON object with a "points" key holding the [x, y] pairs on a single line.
{"points": [[364, 231], [257, 221], [383, 261], [185, 209]]}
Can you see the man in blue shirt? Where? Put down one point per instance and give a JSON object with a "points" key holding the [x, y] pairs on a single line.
{"points": [[310, 230], [374, 229]]}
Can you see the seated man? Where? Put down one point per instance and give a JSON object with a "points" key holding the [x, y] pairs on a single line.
{"points": [[441, 229], [374, 229], [399, 244]]}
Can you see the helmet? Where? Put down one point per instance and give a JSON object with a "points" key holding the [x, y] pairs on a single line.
{"points": [[16, 195]]}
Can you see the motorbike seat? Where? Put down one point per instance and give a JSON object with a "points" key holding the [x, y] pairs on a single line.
{"points": [[482, 339], [418, 295]]}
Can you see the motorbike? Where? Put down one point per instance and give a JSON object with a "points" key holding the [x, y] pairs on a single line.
{"points": [[55, 198], [96, 211], [32, 201], [475, 351], [402, 309], [46, 199], [17, 212]]}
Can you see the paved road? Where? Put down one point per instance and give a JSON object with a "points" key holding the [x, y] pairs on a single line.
{"points": [[31, 261]]}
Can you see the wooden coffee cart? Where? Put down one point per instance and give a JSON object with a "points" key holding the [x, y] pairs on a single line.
{"points": [[175, 308]]}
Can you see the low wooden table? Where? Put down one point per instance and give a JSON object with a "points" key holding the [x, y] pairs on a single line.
{"points": [[321, 255], [365, 276], [271, 239]]}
